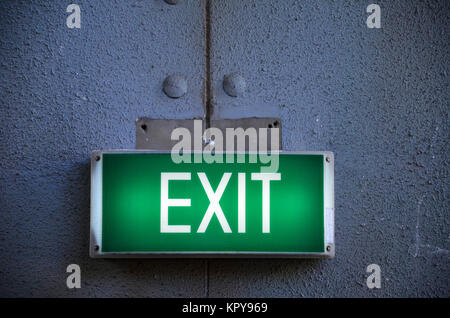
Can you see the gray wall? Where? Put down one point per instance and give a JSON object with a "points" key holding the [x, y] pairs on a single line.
{"points": [[378, 98]]}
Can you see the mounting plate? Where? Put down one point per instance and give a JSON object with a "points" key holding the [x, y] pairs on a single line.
{"points": [[154, 134]]}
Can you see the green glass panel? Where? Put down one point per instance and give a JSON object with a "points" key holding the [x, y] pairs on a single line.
{"points": [[131, 219]]}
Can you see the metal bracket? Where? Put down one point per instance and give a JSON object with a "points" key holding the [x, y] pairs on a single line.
{"points": [[154, 134]]}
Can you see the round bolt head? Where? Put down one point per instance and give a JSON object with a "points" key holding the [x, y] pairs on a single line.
{"points": [[234, 85], [175, 86], [172, 2]]}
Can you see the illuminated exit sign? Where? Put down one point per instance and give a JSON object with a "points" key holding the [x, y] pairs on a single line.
{"points": [[143, 204]]}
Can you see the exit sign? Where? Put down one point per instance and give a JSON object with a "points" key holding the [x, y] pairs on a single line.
{"points": [[143, 204]]}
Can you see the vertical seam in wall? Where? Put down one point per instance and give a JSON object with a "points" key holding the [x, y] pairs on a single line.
{"points": [[207, 97], [207, 87], [206, 278]]}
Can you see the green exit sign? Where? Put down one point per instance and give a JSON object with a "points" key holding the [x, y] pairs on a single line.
{"points": [[143, 204]]}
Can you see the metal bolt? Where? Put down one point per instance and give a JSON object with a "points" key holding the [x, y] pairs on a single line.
{"points": [[172, 2], [96, 248], [328, 159], [97, 158], [175, 86], [234, 84], [328, 248]]}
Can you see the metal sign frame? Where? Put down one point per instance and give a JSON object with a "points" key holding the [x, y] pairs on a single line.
{"points": [[96, 215]]}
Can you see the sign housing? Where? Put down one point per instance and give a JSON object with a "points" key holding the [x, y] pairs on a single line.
{"points": [[145, 205]]}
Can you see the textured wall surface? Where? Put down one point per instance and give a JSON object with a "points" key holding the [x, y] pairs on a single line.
{"points": [[64, 93], [378, 98]]}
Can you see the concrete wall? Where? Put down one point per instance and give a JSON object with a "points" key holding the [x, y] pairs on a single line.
{"points": [[378, 98]]}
